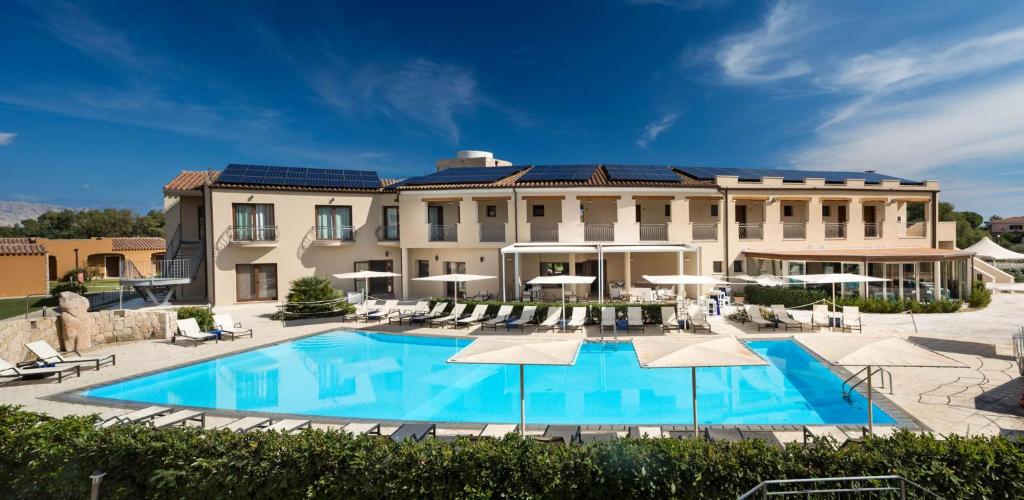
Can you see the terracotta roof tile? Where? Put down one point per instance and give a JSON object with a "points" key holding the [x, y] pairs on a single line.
{"points": [[138, 243], [189, 180], [21, 246], [1011, 220]]}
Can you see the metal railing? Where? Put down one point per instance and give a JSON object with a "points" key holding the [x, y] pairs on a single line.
{"points": [[916, 230], [543, 232], [653, 232], [751, 231], [872, 230], [445, 232], [253, 234], [598, 232], [834, 487], [794, 230], [705, 232], [493, 232], [157, 269], [387, 233], [334, 233], [835, 230]]}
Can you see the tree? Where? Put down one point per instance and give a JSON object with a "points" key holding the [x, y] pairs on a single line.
{"points": [[108, 222], [967, 230], [973, 218]]}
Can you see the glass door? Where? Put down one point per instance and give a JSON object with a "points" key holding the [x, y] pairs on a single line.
{"points": [[454, 268], [390, 223]]}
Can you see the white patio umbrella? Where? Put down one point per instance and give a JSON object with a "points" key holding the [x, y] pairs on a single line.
{"points": [[456, 278], [763, 279], [875, 352], [366, 275], [834, 278], [562, 280], [522, 352], [694, 352], [683, 280]]}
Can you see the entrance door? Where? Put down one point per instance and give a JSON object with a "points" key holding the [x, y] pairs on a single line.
{"points": [[869, 214], [390, 223], [842, 214], [256, 282], [379, 287], [201, 218], [113, 265], [741, 214], [435, 215]]}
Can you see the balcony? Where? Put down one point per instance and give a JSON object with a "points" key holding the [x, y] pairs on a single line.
{"points": [[872, 230], [333, 235], [598, 232], [543, 232], [653, 232], [253, 236], [794, 230], [916, 230], [835, 231], [492, 233], [705, 232], [751, 231], [387, 233], [445, 232]]}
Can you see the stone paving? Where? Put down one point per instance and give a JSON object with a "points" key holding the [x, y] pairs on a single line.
{"points": [[980, 399]]}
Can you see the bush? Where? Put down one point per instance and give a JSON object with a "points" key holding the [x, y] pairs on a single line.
{"points": [[202, 315], [793, 297], [315, 289], [43, 457], [68, 286], [1018, 274], [790, 297], [88, 273], [980, 296]]}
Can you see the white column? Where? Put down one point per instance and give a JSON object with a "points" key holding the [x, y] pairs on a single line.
{"points": [[519, 283], [627, 269], [405, 273], [600, 274], [501, 274]]}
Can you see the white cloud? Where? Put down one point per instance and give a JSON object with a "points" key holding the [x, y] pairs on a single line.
{"points": [[767, 53], [654, 129], [6, 138], [78, 29]]}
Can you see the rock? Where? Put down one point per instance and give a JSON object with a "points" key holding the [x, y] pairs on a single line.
{"points": [[77, 328]]}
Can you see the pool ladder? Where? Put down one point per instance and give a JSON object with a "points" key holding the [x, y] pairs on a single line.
{"points": [[882, 374]]}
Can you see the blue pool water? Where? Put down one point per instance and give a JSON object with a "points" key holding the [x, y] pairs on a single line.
{"points": [[390, 377]]}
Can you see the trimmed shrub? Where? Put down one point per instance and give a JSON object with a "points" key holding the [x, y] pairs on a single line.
{"points": [[315, 289], [790, 297], [202, 315], [793, 297], [980, 296], [43, 457], [68, 286]]}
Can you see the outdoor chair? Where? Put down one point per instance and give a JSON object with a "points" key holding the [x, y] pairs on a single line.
{"points": [[607, 318], [381, 314], [455, 314], [180, 417], [245, 424], [8, 370], [474, 317], [230, 327], [553, 319], [754, 313], [819, 316], [189, 329], [289, 425], [851, 319], [49, 355], [499, 319], [421, 307], [416, 432], [598, 437], [634, 318], [578, 319], [645, 431], [823, 432], [561, 434], [368, 306], [526, 316], [669, 319], [698, 320], [731, 434], [498, 431], [133, 417], [436, 312], [360, 428], [784, 318]]}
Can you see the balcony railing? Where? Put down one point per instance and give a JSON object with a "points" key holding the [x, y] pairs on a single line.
{"points": [[835, 230], [446, 232], [334, 233], [492, 233], [916, 230], [751, 231], [872, 230], [598, 232], [794, 230], [543, 232], [653, 232], [175, 269], [705, 232], [253, 234], [387, 233]]}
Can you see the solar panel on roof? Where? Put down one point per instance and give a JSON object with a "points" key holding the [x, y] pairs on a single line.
{"points": [[756, 174], [572, 173], [463, 175], [652, 173], [263, 175]]}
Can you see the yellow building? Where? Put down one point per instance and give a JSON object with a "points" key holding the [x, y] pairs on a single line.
{"points": [[22, 267]]}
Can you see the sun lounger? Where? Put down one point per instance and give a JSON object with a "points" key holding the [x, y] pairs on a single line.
{"points": [[436, 312], [784, 318], [416, 432], [607, 318], [368, 306], [230, 327], [669, 319], [381, 314], [189, 329], [358, 428], [524, 317], [180, 417], [498, 319], [597, 437], [723, 434], [455, 314], [48, 354], [634, 318], [132, 417], [754, 313], [766, 436], [474, 317], [824, 431], [578, 319], [698, 320], [289, 425], [246, 424], [819, 316], [8, 370], [851, 318], [553, 319], [565, 434], [646, 431], [421, 307], [498, 430]]}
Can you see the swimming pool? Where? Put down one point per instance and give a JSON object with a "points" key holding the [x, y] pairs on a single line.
{"points": [[390, 377]]}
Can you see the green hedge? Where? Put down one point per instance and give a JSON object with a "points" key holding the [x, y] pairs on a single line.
{"points": [[980, 296], [42, 457], [202, 315], [651, 313], [798, 296]]}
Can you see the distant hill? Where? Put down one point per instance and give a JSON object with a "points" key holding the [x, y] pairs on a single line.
{"points": [[13, 212]]}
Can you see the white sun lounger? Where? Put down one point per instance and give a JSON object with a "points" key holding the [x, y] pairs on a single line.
{"points": [[669, 319], [436, 312], [851, 318], [550, 322], [289, 425], [359, 428], [578, 319], [499, 319], [754, 313], [698, 319], [246, 424], [646, 431], [819, 316], [825, 431], [455, 314], [634, 318], [524, 317], [421, 307], [387, 309], [368, 306], [46, 353], [474, 317], [607, 318], [180, 417], [498, 430], [8, 370], [189, 329], [132, 417], [230, 327], [784, 318]]}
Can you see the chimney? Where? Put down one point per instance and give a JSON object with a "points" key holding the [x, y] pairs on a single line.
{"points": [[470, 158]]}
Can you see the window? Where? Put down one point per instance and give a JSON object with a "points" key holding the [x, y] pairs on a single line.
{"points": [[449, 286], [638, 211], [737, 266], [254, 222], [716, 266], [668, 210], [255, 282], [554, 268], [422, 268], [1016, 227], [379, 287], [826, 211], [538, 210], [714, 210], [334, 223], [787, 210], [492, 210]]}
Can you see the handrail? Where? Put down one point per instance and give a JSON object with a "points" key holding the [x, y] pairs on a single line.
{"points": [[250, 234], [334, 233], [847, 393], [387, 233]]}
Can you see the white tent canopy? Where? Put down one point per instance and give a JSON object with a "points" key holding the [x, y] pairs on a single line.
{"points": [[366, 275], [694, 352], [988, 249], [520, 351], [562, 279], [456, 278], [874, 352]]}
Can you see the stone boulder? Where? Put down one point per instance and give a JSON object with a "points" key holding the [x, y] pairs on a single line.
{"points": [[77, 328]]}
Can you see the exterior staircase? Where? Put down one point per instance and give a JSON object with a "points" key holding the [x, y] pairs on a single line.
{"points": [[158, 281]]}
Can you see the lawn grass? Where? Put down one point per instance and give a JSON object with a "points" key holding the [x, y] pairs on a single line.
{"points": [[97, 285], [10, 308]]}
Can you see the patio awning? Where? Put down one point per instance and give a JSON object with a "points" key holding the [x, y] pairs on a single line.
{"points": [[827, 278], [531, 248], [549, 249], [694, 351], [875, 351], [862, 254], [519, 351], [646, 248]]}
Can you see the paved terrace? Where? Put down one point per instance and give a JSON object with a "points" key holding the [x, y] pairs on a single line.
{"points": [[981, 399]]}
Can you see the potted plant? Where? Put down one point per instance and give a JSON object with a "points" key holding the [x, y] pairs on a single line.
{"points": [[737, 297]]}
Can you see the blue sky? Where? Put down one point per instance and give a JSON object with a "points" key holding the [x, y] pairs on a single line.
{"points": [[102, 102]]}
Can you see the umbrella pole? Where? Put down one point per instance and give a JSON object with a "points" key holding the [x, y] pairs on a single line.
{"points": [[562, 324], [693, 386], [832, 322], [522, 402], [871, 425], [366, 289]]}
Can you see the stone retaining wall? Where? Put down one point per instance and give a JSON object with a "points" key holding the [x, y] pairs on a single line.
{"points": [[108, 327]]}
